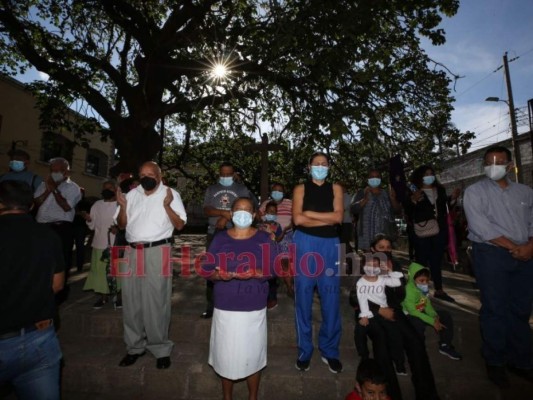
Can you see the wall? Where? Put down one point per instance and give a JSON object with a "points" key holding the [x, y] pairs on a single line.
{"points": [[20, 123]]}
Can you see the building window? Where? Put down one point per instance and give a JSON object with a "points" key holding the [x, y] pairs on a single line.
{"points": [[55, 145], [96, 163]]}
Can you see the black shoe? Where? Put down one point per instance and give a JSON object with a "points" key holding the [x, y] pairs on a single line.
{"points": [[334, 365], [498, 376], [442, 295], [207, 314], [303, 365], [130, 359], [523, 373], [118, 303], [162, 363], [99, 304]]}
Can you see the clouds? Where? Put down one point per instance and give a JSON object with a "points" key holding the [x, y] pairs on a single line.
{"points": [[43, 76], [489, 121], [466, 57], [476, 40]]}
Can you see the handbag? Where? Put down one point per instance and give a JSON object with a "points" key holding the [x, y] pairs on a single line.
{"points": [[429, 227], [426, 228]]}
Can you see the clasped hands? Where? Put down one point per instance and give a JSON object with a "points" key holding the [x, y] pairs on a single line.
{"points": [[223, 275]]}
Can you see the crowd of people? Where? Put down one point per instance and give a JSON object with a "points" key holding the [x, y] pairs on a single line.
{"points": [[301, 231]]}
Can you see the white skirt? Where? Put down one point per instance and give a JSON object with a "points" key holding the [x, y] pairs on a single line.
{"points": [[238, 344]]}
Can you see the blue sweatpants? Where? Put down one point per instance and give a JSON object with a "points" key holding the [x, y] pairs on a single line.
{"points": [[317, 266]]}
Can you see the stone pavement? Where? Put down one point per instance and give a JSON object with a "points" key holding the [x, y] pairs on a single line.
{"points": [[92, 346]]}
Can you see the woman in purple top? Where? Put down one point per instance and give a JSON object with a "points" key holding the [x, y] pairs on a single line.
{"points": [[240, 261]]}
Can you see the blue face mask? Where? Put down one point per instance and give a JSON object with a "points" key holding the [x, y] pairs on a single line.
{"points": [[276, 195], [423, 288], [225, 180], [319, 172], [428, 180], [374, 182], [16, 165], [270, 217], [242, 219]]}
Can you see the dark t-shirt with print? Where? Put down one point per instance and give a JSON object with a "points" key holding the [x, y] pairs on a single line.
{"points": [[222, 197]]}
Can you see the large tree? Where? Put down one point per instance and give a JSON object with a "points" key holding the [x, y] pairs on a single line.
{"points": [[319, 72]]}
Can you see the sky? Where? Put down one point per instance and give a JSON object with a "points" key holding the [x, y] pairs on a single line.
{"points": [[477, 37]]}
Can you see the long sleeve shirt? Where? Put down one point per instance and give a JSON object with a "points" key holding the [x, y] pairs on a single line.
{"points": [[493, 211], [375, 292]]}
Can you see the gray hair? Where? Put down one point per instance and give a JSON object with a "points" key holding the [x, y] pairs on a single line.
{"points": [[60, 160]]}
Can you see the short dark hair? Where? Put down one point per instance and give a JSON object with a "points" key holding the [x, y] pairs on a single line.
{"points": [[423, 272], [378, 238], [499, 149], [244, 198], [319, 153], [271, 204], [370, 371], [16, 195], [18, 153], [226, 164]]}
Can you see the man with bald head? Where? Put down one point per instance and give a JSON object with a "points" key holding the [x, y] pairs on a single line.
{"points": [[56, 198], [149, 213]]}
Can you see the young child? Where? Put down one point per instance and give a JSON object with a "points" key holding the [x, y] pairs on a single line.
{"points": [[371, 287], [370, 383], [421, 313], [269, 223], [271, 226], [382, 244]]}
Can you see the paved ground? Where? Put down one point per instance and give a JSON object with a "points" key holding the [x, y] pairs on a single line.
{"points": [[92, 345]]}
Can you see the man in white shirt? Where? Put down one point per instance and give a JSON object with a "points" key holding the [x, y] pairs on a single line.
{"points": [[149, 213], [56, 198]]}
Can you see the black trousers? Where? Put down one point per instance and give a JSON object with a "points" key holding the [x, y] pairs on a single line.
{"points": [[413, 344], [394, 339], [65, 231], [79, 235], [445, 335]]}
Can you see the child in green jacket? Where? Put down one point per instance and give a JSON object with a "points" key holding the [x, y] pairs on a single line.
{"points": [[421, 313]]}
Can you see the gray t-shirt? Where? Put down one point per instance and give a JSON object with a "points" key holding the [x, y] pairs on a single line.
{"points": [[30, 178], [222, 197]]}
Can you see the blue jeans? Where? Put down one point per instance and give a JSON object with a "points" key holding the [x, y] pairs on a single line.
{"points": [[31, 363], [505, 286]]}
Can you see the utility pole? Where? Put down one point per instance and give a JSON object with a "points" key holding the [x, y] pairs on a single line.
{"points": [[514, 130]]}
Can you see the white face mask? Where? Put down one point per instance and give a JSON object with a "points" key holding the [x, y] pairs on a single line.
{"points": [[496, 172], [371, 270], [57, 176]]}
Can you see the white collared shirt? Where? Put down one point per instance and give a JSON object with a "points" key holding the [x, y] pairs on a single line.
{"points": [[50, 211], [147, 219]]}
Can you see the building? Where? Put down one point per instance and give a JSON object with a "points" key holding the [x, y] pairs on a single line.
{"points": [[467, 169], [19, 128]]}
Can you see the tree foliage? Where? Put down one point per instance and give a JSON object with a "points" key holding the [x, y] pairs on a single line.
{"points": [[340, 76]]}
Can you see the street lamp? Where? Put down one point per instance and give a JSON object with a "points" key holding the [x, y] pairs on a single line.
{"points": [[514, 136]]}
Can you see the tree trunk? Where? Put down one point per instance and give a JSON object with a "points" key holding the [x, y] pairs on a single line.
{"points": [[135, 145]]}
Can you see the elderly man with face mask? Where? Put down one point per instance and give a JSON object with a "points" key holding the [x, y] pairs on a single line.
{"points": [[56, 198], [149, 213]]}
